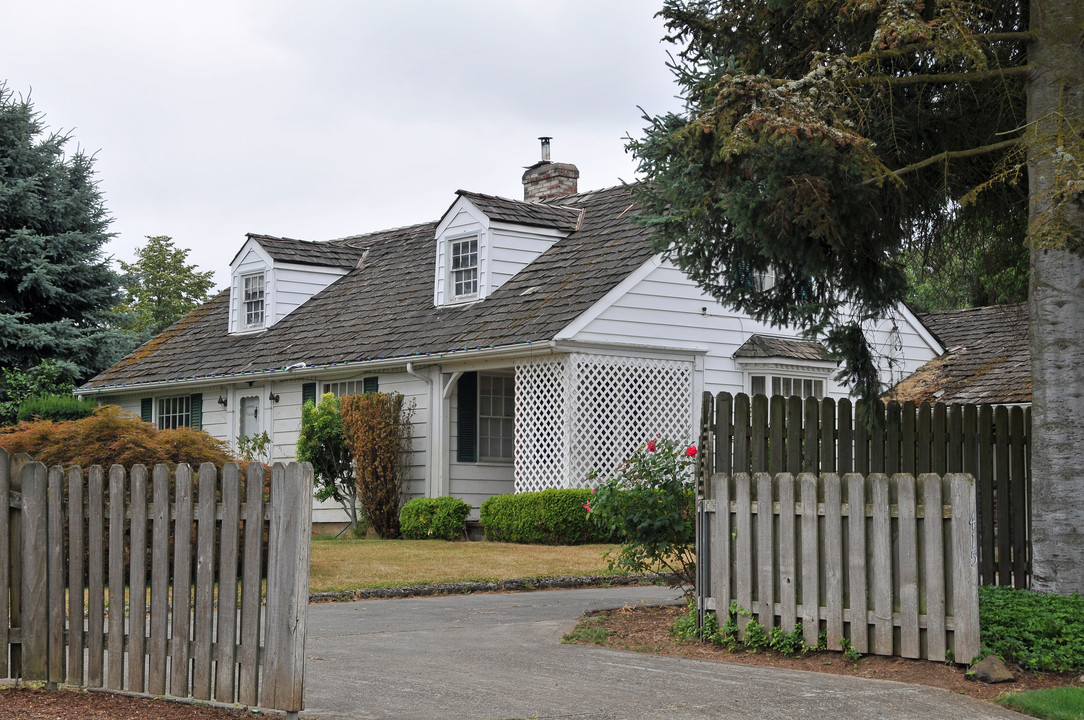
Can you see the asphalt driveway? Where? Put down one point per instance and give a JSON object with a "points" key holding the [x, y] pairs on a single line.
{"points": [[500, 656]]}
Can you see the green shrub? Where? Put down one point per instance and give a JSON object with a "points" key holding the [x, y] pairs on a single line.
{"points": [[1038, 632], [55, 407], [439, 518], [650, 505], [550, 517]]}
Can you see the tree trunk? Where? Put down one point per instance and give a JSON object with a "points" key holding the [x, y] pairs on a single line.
{"points": [[1056, 297]]}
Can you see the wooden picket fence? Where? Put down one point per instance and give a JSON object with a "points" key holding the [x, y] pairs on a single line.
{"points": [[740, 434], [886, 565], [216, 612]]}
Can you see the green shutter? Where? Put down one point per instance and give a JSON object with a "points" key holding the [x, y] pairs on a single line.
{"points": [[196, 411], [146, 409], [467, 418], [308, 393], [370, 384]]}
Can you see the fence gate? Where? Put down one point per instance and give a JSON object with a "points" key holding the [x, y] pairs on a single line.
{"points": [[186, 590], [886, 565]]}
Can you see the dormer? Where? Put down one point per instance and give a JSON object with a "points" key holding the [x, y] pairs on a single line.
{"points": [[271, 277], [484, 240]]}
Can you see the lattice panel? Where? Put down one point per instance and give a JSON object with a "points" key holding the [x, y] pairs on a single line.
{"points": [[579, 413], [542, 413], [621, 402]]}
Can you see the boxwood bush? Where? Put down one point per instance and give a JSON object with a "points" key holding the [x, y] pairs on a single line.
{"points": [[550, 517], [440, 518]]}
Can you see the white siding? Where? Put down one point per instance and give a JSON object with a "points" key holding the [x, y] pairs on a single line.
{"points": [[295, 284], [512, 248], [664, 308]]}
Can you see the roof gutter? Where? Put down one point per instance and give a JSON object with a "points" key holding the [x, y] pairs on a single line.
{"points": [[527, 349]]}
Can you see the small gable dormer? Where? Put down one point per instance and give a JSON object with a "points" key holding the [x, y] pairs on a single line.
{"points": [[271, 277], [483, 241]]}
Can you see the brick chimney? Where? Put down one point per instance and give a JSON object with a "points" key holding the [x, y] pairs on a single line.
{"points": [[546, 180]]}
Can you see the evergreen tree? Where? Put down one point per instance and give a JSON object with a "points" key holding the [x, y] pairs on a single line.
{"points": [[823, 139], [56, 288], [161, 287]]}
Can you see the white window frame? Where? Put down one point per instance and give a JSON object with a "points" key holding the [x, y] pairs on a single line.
{"points": [[173, 412], [496, 425], [465, 276], [251, 318], [777, 382]]}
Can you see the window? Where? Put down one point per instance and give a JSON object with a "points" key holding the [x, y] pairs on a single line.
{"points": [[485, 418], [786, 386], [174, 412], [253, 308], [764, 280], [352, 387], [496, 424], [464, 267]]}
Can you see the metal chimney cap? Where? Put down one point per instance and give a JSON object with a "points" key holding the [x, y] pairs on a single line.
{"points": [[545, 148]]}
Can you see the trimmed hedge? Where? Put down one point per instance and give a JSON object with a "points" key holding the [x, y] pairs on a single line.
{"points": [[55, 407], [439, 518], [549, 517]]}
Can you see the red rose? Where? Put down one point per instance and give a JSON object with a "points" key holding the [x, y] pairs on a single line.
{"points": [[651, 446], [690, 451]]}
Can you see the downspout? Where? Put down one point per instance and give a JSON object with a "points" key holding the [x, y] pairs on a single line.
{"points": [[435, 449]]}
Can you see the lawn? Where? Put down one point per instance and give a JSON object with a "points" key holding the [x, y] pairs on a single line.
{"points": [[339, 565]]}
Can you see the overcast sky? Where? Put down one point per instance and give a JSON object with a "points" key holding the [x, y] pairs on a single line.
{"points": [[318, 120]]}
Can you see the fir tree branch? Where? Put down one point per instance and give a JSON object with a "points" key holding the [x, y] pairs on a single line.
{"points": [[943, 78], [950, 154]]}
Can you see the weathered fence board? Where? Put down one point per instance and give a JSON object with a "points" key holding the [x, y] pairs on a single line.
{"points": [[223, 622], [890, 540], [5, 559], [827, 436]]}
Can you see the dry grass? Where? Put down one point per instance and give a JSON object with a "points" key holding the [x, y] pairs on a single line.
{"points": [[339, 565]]}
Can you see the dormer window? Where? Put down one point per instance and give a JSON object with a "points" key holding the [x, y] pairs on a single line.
{"points": [[464, 268], [253, 300]]}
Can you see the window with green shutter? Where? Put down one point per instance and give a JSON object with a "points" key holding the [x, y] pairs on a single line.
{"points": [[308, 393], [467, 418]]}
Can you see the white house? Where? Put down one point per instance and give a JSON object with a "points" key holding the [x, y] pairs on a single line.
{"points": [[538, 338]]}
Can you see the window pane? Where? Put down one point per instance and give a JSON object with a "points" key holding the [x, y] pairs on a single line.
{"points": [[496, 426], [756, 385]]}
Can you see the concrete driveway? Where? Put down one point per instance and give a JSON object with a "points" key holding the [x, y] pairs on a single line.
{"points": [[500, 656]]}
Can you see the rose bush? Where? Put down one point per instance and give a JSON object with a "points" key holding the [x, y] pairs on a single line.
{"points": [[650, 503]]}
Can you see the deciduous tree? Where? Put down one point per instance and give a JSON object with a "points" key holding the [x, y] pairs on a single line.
{"points": [[820, 140], [161, 287]]}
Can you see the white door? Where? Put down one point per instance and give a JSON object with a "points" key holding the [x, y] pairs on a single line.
{"points": [[250, 416]]}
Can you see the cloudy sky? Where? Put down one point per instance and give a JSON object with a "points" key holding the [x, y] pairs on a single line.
{"points": [[322, 119]]}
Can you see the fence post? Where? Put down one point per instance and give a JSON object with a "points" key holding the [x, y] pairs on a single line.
{"points": [[288, 586], [965, 568], [34, 590], [5, 558], [55, 584]]}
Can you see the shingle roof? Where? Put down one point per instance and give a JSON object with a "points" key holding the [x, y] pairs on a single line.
{"points": [[384, 309], [525, 213], [765, 346], [986, 358], [304, 252]]}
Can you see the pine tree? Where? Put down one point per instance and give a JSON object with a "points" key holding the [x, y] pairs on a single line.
{"points": [[56, 288], [821, 140], [161, 287]]}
